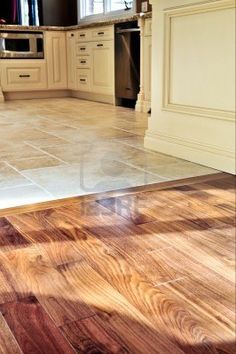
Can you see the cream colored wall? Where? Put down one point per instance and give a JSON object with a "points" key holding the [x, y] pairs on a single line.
{"points": [[193, 81]]}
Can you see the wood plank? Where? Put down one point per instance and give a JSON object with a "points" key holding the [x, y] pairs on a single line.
{"points": [[206, 256], [177, 261], [10, 238], [93, 335], [8, 343], [129, 207], [32, 273], [33, 329], [7, 292], [110, 305]]}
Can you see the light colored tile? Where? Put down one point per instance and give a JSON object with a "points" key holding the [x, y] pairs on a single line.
{"points": [[34, 163], [10, 178], [23, 195], [87, 178], [70, 147]]}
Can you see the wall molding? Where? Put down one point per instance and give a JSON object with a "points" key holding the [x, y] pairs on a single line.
{"points": [[192, 150], [169, 14]]}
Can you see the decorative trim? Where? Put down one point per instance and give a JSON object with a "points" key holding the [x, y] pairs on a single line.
{"points": [[195, 151], [167, 105], [91, 96], [26, 95]]}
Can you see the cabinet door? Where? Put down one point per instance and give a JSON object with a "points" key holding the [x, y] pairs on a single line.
{"points": [[102, 64], [56, 60], [71, 60], [147, 67], [23, 75]]}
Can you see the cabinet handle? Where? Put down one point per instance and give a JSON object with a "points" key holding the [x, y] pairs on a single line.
{"points": [[82, 80], [82, 48], [82, 61], [100, 33], [24, 75], [82, 35], [99, 45]]}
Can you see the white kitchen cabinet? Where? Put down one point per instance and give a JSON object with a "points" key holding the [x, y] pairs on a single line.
{"points": [[55, 51], [71, 60], [23, 75], [102, 67]]}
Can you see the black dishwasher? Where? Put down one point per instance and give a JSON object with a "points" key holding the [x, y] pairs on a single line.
{"points": [[127, 63]]}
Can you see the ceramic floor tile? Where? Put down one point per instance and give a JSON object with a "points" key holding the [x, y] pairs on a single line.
{"points": [[67, 147], [34, 163], [13, 197], [9, 177], [87, 178]]}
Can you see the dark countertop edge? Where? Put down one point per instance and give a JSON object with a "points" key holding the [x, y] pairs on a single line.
{"points": [[103, 22]]}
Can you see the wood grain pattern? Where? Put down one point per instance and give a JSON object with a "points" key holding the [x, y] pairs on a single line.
{"points": [[151, 271], [33, 329], [10, 238], [8, 344]]}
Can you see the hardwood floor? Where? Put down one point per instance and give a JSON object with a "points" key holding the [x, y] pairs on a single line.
{"points": [[151, 271]]}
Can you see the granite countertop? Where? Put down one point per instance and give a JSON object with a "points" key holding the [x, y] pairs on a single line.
{"points": [[102, 22]]}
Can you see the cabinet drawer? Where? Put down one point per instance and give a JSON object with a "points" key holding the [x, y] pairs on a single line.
{"points": [[148, 27], [83, 35], [83, 62], [83, 49], [83, 79], [23, 76], [102, 33]]}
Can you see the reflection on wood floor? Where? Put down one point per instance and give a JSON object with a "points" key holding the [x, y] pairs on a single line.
{"points": [[148, 272]]}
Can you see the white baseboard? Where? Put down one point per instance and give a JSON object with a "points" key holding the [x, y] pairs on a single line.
{"points": [[207, 155]]}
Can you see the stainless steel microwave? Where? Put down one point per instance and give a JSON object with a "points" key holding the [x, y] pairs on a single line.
{"points": [[15, 45]]}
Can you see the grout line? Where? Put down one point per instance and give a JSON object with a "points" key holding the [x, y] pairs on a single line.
{"points": [[46, 153], [31, 180]]}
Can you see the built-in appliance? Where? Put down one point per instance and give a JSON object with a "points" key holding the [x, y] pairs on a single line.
{"points": [[19, 45], [127, 63]]}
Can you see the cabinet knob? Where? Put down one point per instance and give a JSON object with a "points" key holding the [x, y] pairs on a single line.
{"points": [[72, 35]]}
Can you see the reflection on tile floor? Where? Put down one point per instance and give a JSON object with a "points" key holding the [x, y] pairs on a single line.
{"points": [[57, 148]]}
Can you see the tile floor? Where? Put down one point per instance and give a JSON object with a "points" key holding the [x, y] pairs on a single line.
{"points": [[57, 148]]}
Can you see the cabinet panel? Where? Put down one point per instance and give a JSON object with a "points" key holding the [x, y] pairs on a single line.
{"points": [[102, 33], [83, 35], [147, 65], [83, 77], [56, 60], [83, 62], [83, 49], [148, 27], [71, 60], [23, 75], [102, 62]]}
